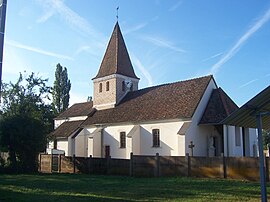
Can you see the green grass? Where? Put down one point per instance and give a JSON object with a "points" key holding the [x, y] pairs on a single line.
{"points": [[69, 187]]}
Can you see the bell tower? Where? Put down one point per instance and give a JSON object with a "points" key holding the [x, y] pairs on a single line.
{"points": [[116, 76]]}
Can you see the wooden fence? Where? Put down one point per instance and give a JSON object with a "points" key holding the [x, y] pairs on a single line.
{"points": [[154, 166]]}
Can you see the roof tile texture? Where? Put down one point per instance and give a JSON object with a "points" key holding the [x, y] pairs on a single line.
{"points": [[66, 129], [116, 59], [218, 108], [78, 109], [169, 101]]}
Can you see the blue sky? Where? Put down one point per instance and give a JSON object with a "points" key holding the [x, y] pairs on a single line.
{"points": [[168, 41]]}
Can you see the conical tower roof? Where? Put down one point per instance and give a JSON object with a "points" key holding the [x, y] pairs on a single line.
{"points": [[116, 59]]}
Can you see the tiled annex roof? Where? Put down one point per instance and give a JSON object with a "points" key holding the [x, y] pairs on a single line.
{"points": [[116, 59], [66, 129], [219, 106], [169, 101], [78, 109]]}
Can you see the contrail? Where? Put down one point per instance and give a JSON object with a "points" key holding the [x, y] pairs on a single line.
{"points": [[259, 23]]}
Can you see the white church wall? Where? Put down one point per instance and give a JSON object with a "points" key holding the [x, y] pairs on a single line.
{"points": [[169, 139], [81, 145], [71, 146], [238, 140], [181, 144], [233, 141], [92, 141], [77, 118], [136, 139], [196, 133], [253, 140], [62, 144], [111, 137]]}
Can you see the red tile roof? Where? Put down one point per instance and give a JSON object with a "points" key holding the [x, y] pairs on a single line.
{"points": [[66, 129], [169, 101], [78, 109], [219, 106], [116, 59]]}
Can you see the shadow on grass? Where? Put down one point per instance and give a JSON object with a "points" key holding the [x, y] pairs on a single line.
{"points": [[69, 187]]}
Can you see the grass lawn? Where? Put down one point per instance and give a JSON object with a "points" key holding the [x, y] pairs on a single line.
{"points": [[72, 187]]}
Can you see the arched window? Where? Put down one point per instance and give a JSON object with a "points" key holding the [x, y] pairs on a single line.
{"points": [[100, 87], [123, 86], [107, 86]]}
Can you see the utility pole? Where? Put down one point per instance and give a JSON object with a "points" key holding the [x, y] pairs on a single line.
{"points": [[3, 8]]}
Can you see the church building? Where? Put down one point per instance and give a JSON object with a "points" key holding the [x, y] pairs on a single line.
{"points": [[170, 119]]}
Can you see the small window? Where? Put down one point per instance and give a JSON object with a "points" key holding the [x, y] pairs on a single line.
{"points": [[100, 87], [156, 141], [123, 86], [122, 139], [237, 137], [131, 87], [55, 144], [107, 86]]}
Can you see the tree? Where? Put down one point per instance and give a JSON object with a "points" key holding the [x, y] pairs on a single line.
{"points": [[26, 120], [266, 138], [61, 89]]}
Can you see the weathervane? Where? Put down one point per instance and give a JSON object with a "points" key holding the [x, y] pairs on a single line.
{"points": [[117, 12]]}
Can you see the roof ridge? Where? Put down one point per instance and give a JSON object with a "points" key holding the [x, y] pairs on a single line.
{"points": [[220, 90], [171, 83]]}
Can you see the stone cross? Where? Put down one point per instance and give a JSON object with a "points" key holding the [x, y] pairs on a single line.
{"points": [[191, 146]]}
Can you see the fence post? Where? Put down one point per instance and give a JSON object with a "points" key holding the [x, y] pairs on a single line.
{"points": [[74, 163], [224, 165], [188, 165], [131, 165], [59, 163], [266, 168], [39, 162], [156, 171], [51, 162]]}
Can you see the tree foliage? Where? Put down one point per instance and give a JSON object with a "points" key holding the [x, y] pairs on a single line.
{"points": [[61, 89], [266, 138], [25, 120]]}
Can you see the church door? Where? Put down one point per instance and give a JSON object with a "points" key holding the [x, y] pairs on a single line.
{"points": [[107, 151]]}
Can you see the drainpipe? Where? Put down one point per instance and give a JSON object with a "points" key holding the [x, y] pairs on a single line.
{"points": [[101, 141], [227, 137]]}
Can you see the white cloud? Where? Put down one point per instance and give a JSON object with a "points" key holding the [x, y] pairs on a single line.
{"points": [[248, 83], [257, 25], [144, 71], [163, 43], [46, 16], [37, 50], [72, 18], [175, 6], [212, 57]]}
